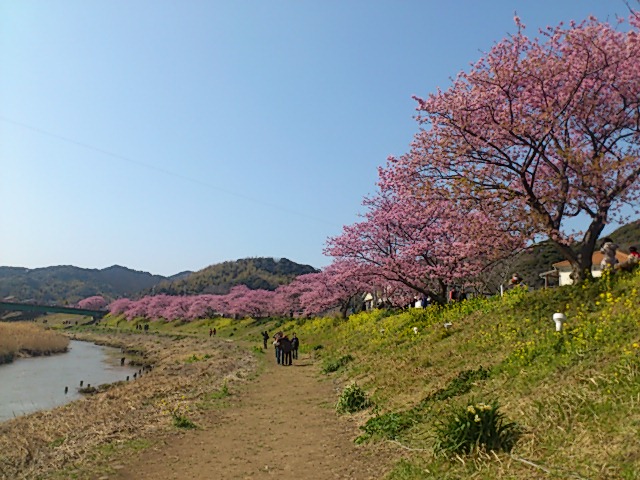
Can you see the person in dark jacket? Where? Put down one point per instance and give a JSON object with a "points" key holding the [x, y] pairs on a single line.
{"points": [[295, 343], [285, 345], [265, 337]]}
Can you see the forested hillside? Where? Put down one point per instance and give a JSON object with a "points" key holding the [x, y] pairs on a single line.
{"points": [[256, 273], [68, 284]]}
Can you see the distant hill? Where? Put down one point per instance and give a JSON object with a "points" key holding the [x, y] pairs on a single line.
{"points": [[256, 273], [627, 235], [68, 284]]}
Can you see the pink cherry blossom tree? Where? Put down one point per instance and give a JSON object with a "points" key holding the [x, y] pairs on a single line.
{"points": [[334, 287], [259, 302], [139, 309], [120, 306], [414, 244], [159, 306], [179, 307], [236, 301], [97, 302], [541, 131], [202, 306], [286, 299]]}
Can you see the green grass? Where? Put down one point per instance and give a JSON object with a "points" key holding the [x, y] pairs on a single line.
{"points": [[574, 395], [215, 399]]}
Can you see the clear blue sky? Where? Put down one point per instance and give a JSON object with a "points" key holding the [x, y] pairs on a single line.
{"points": [[171, 135]]}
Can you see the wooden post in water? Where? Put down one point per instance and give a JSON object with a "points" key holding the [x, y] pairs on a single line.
{"points": [[127, 378], [122, 361], [81, 382], [66, 390], [135, 375]]}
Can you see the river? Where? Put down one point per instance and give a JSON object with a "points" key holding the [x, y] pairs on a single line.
{"points": [[31, 384]]}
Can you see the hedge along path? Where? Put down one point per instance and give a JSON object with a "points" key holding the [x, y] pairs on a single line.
{"points": [[282, 425]]}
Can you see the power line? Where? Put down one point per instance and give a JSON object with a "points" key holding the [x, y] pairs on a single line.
{"points": [[163, 170]]}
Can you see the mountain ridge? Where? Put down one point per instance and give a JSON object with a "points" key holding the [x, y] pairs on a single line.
{"points": [[67, 284]]}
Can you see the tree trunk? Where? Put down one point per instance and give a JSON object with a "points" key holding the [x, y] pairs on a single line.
{"points": [[580, 256], [344, 308]]}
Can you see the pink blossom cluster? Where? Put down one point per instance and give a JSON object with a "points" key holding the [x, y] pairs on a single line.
{"points": [[307, 295], [96, 302]]}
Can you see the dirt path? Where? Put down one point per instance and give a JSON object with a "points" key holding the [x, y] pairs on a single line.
{"points": [[281, 425]]}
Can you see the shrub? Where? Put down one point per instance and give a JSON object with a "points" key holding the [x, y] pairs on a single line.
{"points": [[353, 399], [388, 425], [193, 358], [224, 391], [180, 421], [459, 385], [332, 366], [476, 426]]}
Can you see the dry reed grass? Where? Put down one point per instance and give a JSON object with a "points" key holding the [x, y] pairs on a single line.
{"points": [[28, 339], [65, 442]]}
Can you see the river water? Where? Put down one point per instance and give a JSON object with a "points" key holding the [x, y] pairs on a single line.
{"points": [[38, 383]]}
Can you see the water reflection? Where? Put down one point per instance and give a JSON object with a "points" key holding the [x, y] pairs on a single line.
{"points": [[31, 384]]}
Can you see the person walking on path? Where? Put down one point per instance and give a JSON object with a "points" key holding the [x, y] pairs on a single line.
{"points": [[276, 345], [210, 332], [295, 343], [265, 338], [285, 345]]}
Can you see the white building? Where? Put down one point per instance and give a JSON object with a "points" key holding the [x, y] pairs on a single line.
{"points": [[564, 268]]}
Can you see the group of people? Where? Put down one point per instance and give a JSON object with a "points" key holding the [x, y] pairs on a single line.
{"points": [[609, 259], [286, 348]]}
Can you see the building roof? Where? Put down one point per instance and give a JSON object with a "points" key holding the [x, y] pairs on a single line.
{"points": [[550, 273], [596, 259]]}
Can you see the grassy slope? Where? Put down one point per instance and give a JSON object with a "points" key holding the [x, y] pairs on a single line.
{"points": [[575, 394]]}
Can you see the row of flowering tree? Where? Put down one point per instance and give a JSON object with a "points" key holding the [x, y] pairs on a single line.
{"points": [[309, 294], [539, 133]]}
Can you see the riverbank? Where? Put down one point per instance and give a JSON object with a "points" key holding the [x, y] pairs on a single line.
{"points": [[28, 339], [80, 439]]}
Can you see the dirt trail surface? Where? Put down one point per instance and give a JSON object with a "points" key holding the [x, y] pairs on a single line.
{"points": [[280, 425]]}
